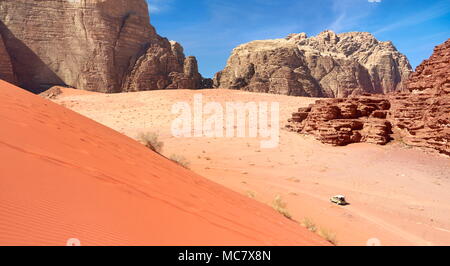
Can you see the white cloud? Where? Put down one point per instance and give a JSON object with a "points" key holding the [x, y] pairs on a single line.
{"points": [[158, 6], [347, 15], [433, 12], [374, 1]]}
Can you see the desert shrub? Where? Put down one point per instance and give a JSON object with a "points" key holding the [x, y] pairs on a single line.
{"points": [[280, 206], [151, 141], [309, 224], [180, 160], [328, 235], [251, 194]]}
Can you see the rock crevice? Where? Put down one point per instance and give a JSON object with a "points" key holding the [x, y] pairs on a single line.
{"points": [[6, 68]]}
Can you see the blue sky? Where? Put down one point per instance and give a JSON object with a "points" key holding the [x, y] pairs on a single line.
{"points": [[210, 29]]}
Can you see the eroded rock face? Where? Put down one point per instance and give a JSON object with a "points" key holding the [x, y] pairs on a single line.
{"points": [[6, 70], [344, 121], [98, 45], [433, 73], [328, 65], [419, 117], [423, 115]]}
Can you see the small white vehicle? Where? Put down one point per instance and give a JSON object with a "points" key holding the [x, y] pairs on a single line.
{"points": [[339, 200]]}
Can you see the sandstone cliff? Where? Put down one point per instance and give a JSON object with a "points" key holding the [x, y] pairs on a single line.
{"points": [[434, 73], [419, 117], [6, 70], [327, 65], [98, 45]]}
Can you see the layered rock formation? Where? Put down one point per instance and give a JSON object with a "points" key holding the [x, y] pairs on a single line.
{"points": [[6, 70], [424, 113], [98, 45], [328, 65], [345, 121], [434, 73], [419, 117]]}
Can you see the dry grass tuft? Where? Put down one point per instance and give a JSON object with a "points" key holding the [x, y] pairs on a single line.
{"points": [[251, 194], [280, 206], [150, 140], [328, 235], [181, 160], [309, 224]]}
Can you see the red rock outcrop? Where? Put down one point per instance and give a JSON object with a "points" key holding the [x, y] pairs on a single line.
{"points": [[433, 73], [344, 121], [6, 70], [327, 65], [97, 45], [423, 115], [420, 117]]}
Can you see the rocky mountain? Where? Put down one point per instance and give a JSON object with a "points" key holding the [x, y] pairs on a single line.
{"points": [[419, 117], [97, 45], [327, 65]]}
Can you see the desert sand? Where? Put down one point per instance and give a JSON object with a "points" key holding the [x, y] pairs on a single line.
{"points": [[398, 195], [65, 176]]}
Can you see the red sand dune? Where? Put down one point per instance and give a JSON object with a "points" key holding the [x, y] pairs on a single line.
{"points": [[65, 176]]}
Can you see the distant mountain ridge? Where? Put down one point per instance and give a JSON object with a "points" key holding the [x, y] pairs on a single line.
{"points": [[327, 65]]}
